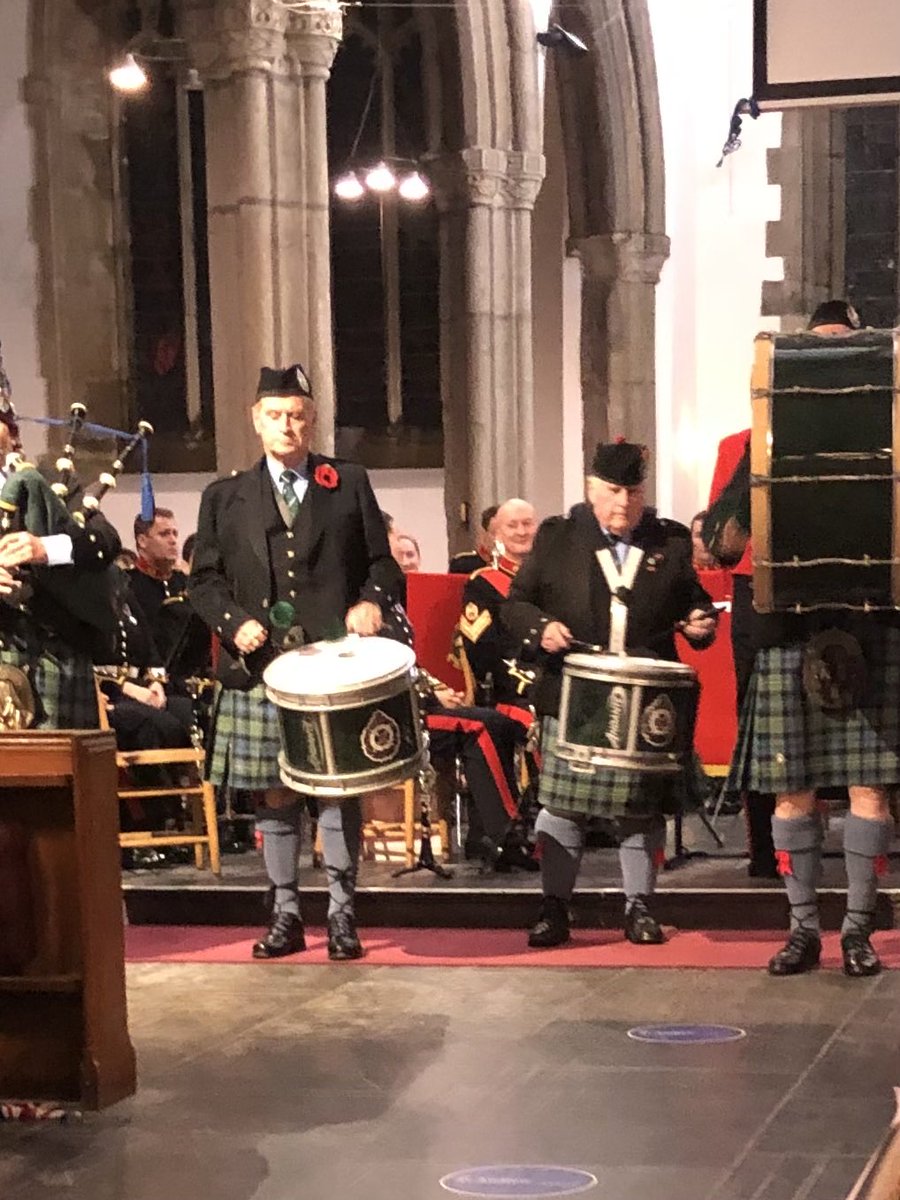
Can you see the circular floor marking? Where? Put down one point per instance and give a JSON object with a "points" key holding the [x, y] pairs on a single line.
{"points": [[512, 1182], [687, 1035]]}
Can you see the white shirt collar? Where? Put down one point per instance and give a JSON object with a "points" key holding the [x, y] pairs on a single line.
{"points": [[277, 469]]}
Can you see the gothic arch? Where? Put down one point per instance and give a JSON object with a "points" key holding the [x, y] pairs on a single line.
{"points": [[612, 138], [611, 123]]}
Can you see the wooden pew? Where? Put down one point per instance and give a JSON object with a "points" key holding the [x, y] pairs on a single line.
{"points": [[63, 1020]]}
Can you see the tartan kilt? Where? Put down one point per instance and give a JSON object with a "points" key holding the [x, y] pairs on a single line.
{"points": [[611, 792], [785, 743], [63, 686], [244, 741]]}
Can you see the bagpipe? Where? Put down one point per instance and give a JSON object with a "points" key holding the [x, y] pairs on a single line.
{"points": [[28, 501], [31, 503]]}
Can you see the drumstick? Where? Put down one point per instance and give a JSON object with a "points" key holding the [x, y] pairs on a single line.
{"points": [[584, 647]]}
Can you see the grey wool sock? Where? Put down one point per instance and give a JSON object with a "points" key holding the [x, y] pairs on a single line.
{"points": [[280, 829], [341, 829], [866, 842], [560, 843], [798, 847], [642, 842]]}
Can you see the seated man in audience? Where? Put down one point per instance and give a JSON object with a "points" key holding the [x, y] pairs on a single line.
{"points": [[471, 560], [157, 577], [405, 550], [485, 741], [490, 650]]}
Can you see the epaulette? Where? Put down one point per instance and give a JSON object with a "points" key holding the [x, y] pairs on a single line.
{"points": [[474, 621]]}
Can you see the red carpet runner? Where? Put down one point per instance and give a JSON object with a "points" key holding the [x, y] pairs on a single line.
{"points": [[486, 948]]}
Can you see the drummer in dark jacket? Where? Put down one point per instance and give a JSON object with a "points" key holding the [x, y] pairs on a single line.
{"points": [[303, 532], [562, 596]]}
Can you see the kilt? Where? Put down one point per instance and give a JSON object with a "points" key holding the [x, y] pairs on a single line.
{"points": [[245, 741], [63, 685], [611, 792], [785, 743]]}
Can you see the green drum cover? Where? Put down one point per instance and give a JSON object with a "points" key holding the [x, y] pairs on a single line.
{"points": [[364, 738], [600, 715]]}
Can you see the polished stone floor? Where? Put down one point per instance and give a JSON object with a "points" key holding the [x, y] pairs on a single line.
{"points": [[307, 1083]]}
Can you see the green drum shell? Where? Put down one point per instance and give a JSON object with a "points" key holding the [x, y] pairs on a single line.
{"points": [[633, 714], [824, 522], [346, 743]]}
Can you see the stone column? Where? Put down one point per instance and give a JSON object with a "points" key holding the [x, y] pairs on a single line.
{"points": [[264, 71], [620, 272], [485, 199]]}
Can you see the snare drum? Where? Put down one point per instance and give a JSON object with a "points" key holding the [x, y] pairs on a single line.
{"points": [[825, 472], [636, 714], [348, 716]]}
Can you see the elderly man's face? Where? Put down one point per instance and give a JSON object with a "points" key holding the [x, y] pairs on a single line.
{"points": [[516, 525], [616, 507], [285, 426]]}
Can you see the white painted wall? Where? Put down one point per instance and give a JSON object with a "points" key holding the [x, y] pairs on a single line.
{"points": [[18, 259], [708, 301], [415, 499]]}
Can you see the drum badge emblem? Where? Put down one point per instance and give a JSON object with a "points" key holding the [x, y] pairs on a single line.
{"points": [[617, 709], [658, 722], [380, 738]]}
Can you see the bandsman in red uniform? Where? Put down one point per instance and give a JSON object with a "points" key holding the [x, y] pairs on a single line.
{"points": [[488, 648]]}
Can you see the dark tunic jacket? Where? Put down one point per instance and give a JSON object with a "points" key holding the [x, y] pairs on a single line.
{"points": [[339, 556], [561, 580], [491, 650]]}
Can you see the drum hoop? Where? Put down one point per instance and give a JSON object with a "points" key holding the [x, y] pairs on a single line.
{"points": [[351, 783], [340, 701], [599, 756], [625, 664], [682, 679]]}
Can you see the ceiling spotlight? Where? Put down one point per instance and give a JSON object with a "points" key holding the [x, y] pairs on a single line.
{"points": [[381, 178], [560, 38], [128, 75], [348, 187], [414, 187]]}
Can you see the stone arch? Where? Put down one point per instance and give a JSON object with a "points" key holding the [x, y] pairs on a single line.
{"points": [[612, 135]]}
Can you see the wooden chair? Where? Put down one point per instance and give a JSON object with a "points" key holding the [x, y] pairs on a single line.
{"points": [[203, 830], [378, 833]]}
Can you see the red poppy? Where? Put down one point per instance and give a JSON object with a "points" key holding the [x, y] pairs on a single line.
{"points": [[326, 476]]}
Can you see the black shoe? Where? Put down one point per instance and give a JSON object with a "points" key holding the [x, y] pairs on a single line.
{"points": [[800, 953], [516, 857], [343, 940], [763, 866], [552, 927], [860, 958], [284, 936], [641, 927]]}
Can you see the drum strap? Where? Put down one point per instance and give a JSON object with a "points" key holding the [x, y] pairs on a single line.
{"points": [[620, 581]]}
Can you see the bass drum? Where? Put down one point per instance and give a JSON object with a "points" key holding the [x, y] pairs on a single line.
{"points": [[635, 714], [348, 716]]}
